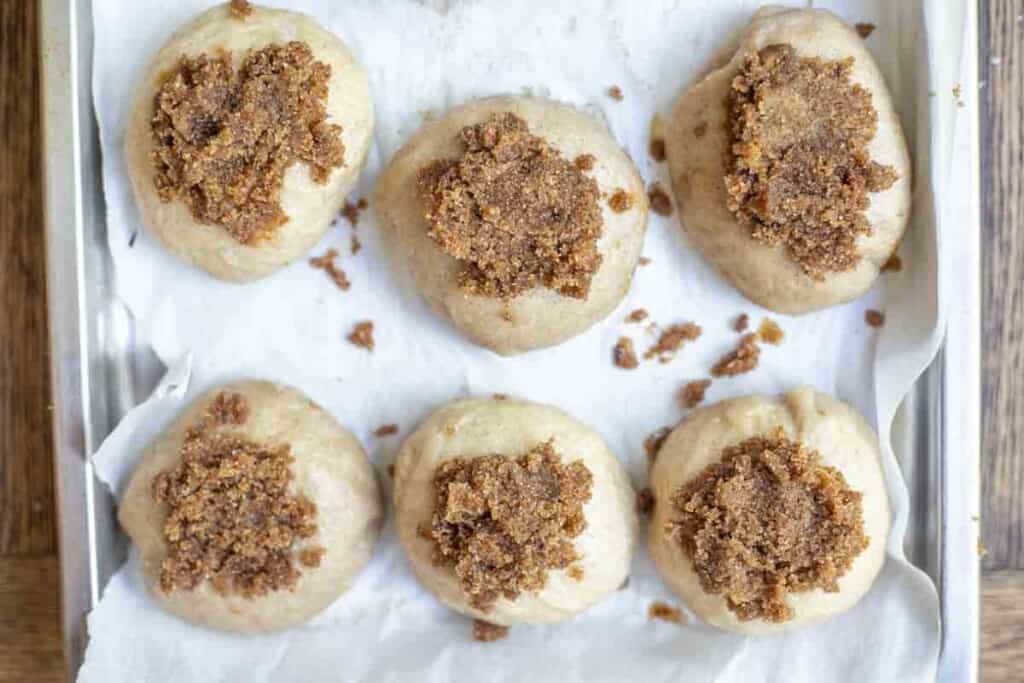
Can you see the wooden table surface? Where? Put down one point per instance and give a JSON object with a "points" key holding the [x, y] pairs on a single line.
{"points": [[30, 647]]}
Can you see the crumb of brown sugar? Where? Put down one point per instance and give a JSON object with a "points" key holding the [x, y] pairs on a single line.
{"points": [[621, 201], [770, 333], [700, 130], [741, 323], [575, 572], [585, 162], [865, 29], [624, 354], [654, 441], [671, 340], [661, 203], [644, 502], [638, 315], [385, 430], [874, 318], [362, 335], [665, 612], [615, 92], [351, 211], [486, 632], [326, 263], [644, 261], [500, 397], [391, 471], [355, 245], [240, 9], [894, 264], [656, 149], [743, 358], [692, 393]]}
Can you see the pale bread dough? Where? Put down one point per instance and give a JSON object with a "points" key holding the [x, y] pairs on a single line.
{"points": [[766, 274], [310, 206], [843, 440], [540, 317], [477, 427], [330, 468]]}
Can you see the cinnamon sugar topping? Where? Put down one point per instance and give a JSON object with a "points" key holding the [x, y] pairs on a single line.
{"points": [[240, 9], [665, 612], [692, 393], [223, 139], [800, 171], [743, 358], [230, 517], [769, 332], [362, 335], [514, 212], [503, 523], [741, 323], [671, 340], [485, 632], [767, 520], [624, 354], [874, 318], [638, 315], [326, 263]]}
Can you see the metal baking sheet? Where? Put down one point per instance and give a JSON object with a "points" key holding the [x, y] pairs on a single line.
{"points": [[100, 369]]}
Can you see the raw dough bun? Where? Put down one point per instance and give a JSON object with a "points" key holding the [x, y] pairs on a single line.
{"points": [[330, 468], [540, 317], [476, 427], [766, 274], [310, 206], [843, 440]]}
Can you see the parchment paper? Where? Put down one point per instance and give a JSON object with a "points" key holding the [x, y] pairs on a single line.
{"points": [[423, 57]]}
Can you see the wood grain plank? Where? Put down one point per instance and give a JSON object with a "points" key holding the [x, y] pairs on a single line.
{"points": [[30, 645], [1002, 626], [26, 486]]}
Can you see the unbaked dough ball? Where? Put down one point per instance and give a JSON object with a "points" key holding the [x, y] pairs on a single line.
{"points": [[513, 512], [253, 511], [753, 531], [233, 143], [521, 220], [789, 164]]}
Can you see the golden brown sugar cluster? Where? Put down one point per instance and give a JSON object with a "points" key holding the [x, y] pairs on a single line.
{"points": [[503, 523], [800, 172], [514, 212], [768, 520], [224, 138], [230, 516]]}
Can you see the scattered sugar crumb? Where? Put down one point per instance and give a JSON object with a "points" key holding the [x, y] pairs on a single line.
{"points": [[624, 354], [657, 149], [692, 393], [385, 430], [326, 263], [874, 318], [894, 264], [484, 632], [615, 92], [770, 333], [665, 612], [644, 261], [865, 29], [638, 315], [362, 335], [741, 323]]}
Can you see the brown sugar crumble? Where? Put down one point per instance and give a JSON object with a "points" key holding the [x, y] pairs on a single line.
{"points": [[575, 572], [385, 430], [864, 29], [893, 264], [624, 354], [615, 92], [355, 245], [621, 201], [230, 517], [240, 9], [644, 261], [585, 162], [503, 523], [692, 393], [800, 171], [665, 612], [223, 139], [769, 332], [362, 335], [743, 358], [352, 211], [661, 203], [741, 323], [767, 520], [656, 149], [645, 502], [326, 263], [486, 632], [654, 441], [874, 318], [671, 340], [514, 212], [638, 315]]}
